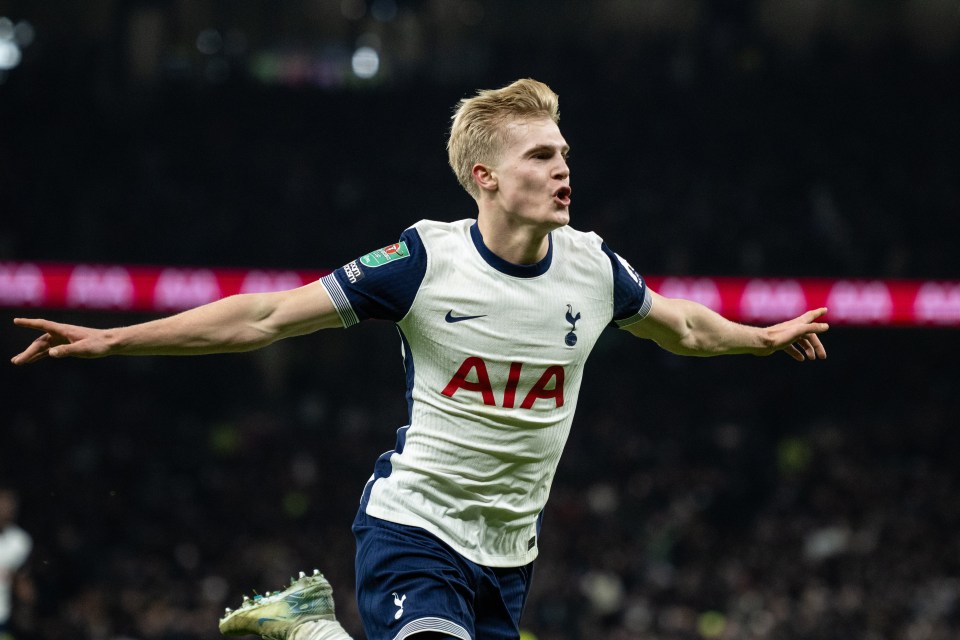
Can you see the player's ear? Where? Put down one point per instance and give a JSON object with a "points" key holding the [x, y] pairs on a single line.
{"points": [[485, 177]]}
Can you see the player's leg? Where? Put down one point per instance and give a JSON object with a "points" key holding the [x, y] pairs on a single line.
{"points": [[410, 584], [319, 630], [501, 596], [302, 611], [316, 630]]}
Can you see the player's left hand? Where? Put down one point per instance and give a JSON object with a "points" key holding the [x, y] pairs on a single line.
{"points": [[798, 337], [59, 341]]}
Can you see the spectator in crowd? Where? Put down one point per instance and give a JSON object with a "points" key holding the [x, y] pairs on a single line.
{"points": [[15, 546]]}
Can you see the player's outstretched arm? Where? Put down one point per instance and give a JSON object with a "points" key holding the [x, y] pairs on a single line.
{"points": [[237, 323], [688, 328]]}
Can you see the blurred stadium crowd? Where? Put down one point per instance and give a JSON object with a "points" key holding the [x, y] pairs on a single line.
{"points": [[711, 137], [738, 499], [731, 498]]}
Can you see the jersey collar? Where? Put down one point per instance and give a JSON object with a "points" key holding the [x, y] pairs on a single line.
{"points": [[509, 268]]}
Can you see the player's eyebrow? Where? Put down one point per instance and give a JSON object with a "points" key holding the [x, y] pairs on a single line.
{"points": [[564, 150]]}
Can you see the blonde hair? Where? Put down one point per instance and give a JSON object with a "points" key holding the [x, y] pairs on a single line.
{"points": [[478, 132]]}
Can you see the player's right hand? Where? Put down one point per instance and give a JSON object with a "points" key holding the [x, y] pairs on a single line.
{"points": [[60, 341]]}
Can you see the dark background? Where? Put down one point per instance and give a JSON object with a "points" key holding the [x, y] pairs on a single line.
{"points": [[731, 498]]}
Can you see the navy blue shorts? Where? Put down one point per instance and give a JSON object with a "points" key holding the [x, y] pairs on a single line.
{"points": [[409, 581]]}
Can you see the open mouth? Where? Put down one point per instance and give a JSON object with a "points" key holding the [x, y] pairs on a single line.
{"points": [[562, 195]]}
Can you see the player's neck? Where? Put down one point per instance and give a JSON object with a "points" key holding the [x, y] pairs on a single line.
{"points": [[516, 243]]}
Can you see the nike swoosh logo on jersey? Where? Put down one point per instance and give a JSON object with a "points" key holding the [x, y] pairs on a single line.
{"points": [[452, 318]]}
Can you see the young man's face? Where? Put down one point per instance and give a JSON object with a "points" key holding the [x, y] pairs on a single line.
{"points": [[533, 179]]}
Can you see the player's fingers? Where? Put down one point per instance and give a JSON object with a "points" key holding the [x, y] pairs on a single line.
{"points": [[806, 324], [63, 351], [36, 351], [37, 323], [801, 345], [818, 327], [54, 332], [794, 352], [809, 350], [819, 351], [33, 357], [41, 349]]}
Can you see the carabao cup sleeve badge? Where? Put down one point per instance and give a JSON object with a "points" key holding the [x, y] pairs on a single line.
{"points": [[380, 257]]}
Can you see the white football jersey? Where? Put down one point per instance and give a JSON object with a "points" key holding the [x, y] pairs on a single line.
{"points": [[494, 354]]}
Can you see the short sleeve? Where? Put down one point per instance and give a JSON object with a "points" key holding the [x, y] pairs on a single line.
{"points": [[381, 284], [631, 298]]}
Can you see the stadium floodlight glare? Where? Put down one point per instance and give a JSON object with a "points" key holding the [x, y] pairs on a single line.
{"points": [[9, 55], [383, 10], [353, 9], [365, 62], [209, 42], [23, 33], [6, 28]]}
